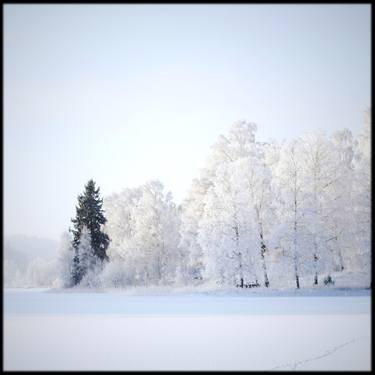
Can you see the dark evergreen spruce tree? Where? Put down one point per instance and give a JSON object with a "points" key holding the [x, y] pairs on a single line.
{"points": [[89, 213]]}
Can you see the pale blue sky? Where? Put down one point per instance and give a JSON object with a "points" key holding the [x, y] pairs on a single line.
{"points": [[127, 93]]}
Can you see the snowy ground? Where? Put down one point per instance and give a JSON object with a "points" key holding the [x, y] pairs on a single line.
{"points": [[112, 330]]}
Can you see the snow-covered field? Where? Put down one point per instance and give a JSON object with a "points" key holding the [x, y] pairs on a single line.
{"points": [[117, 330]]}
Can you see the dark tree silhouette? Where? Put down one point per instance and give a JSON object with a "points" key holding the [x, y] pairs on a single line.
{"points": [[89, 214]]}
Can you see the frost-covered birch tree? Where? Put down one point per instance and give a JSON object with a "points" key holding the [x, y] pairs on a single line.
{"points": [[318, 170], [362, 196], [191, 212], [145, 250], [288, 177]]}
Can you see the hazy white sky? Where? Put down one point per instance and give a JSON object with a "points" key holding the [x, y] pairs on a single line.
{"points": [[127, 93]]}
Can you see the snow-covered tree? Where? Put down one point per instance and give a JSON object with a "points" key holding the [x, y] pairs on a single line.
{"points": [[362, 196], [339, 204], [191, 213], [41, 273], [225, 231], [89, 263], [256, 180], [237, 210], [148, 244], [289, 228], [89, 214], [318, 174], [65, 261]]}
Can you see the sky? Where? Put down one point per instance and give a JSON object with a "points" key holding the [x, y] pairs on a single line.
{"points": [[128, 93]]}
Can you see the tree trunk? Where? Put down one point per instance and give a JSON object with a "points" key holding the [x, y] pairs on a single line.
{"points": [[316, 268], [315, 219], [262, 251], [295, 244], [340, 257], [240, 270], [339, 253], [295, 264], [159, 268]]}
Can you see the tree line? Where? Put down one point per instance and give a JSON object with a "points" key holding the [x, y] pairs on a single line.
{"points": [[292, 213]]}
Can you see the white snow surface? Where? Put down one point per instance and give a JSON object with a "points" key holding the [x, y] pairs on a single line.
{"points": [[47, 329]]}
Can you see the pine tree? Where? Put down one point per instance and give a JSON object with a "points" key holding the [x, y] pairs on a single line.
{"points": [[89, 214]]}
